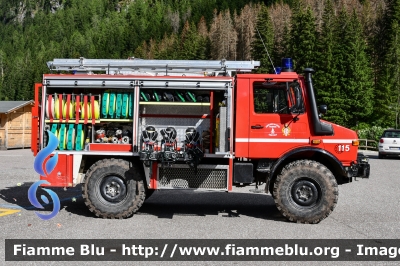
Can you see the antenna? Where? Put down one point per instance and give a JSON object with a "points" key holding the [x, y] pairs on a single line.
{"points": [[266, 50]]}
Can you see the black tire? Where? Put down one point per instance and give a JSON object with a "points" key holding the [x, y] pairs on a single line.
{"points": [[113, 188], [305, 192], [381, 156]]}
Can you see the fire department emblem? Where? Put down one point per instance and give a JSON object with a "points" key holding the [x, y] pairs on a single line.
{"points": [[286, 131], [272, 126]]}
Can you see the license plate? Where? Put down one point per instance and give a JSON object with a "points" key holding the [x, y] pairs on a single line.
{"points": [[394, 148]]}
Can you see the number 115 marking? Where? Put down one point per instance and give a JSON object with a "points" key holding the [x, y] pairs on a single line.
{"points": [[344, 147]]}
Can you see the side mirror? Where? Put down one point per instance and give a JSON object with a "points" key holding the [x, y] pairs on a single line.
{"points": [[295, 98], [298, 98], [297, 106], [323, 109]]}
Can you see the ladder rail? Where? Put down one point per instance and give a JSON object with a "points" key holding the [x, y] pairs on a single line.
{"points": [[151, 66]]}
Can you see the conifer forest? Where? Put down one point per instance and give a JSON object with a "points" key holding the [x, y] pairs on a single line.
{"points": [[353, 45]]}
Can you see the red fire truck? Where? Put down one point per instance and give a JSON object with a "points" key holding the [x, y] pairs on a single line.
{"points": [[128, 127]]}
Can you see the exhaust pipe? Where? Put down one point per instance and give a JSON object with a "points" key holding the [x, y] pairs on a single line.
{"points": [[320, 128]]}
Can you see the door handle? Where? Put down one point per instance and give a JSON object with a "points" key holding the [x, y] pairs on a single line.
{"points": [[257, 127]]}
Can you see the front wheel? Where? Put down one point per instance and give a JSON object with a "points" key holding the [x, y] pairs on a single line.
{"points": [[305, 192], [113, 188]]}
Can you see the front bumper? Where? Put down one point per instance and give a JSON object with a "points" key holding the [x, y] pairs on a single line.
{"points": [[361, 168]]}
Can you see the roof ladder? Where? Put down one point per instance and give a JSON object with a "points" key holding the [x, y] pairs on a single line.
{"points": [[155, 67]]}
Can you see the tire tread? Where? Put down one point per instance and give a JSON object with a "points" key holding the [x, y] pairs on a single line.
{"points": [[297, 167], [140, 189]]}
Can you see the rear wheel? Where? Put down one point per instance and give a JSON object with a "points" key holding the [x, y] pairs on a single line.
{"points": [[305, 192], [381, 156], [113, 188]]}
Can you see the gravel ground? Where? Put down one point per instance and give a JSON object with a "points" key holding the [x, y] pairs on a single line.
{"points": [[367, 209]]}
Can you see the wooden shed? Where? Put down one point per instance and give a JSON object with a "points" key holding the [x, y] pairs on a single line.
{"points": [[15, 124]]}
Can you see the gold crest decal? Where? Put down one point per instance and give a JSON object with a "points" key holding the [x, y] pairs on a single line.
{"points": [[286, 130]]}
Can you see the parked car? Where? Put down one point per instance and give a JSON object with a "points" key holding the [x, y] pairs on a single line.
{"points": [[389, 144]]}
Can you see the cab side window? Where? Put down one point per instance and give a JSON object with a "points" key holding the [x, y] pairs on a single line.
{"points": [[277, 98], [270, 100]]}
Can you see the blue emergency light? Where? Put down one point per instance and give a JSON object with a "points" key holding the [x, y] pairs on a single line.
{"points": [[287, 65]]}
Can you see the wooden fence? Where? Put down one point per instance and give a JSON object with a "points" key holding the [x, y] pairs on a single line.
{"points": [[368, 144]]}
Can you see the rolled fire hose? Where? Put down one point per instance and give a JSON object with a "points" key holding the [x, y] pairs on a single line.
{"points": [[96, 110], [54, 130], [125, 105], [111, 108], [145, 96], [71, 137], [105, 104], [71, 113], [51, 107], [89, 115], [156, 96], [118, 105], [180, 97], [130, 106], [168, 97], [190, 96], [79, 137], [58, 113], [61, 137]]}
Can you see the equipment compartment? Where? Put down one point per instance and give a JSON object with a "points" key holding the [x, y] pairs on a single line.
{"points": [[180, 113], [80, 120]]}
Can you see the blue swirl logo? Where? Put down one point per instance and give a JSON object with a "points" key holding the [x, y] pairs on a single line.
{"points": [[45, 169]]}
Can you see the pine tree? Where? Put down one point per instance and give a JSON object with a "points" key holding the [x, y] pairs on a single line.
{"points": [[357, 86], [391, 77], [303, 38], [223, 36], [387, 93], [204, 40], [326, 78], [339, 103], [167, 48], [263, 35], [141, 51], [2, 66], [189, 43], [280, 15], [245, 26], [371, 17], [173, 18]]}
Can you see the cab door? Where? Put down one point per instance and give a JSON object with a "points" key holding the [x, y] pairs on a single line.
{"points": [[277, 123]]}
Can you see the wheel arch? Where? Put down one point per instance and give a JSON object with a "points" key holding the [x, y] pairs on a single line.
{"points": [[88, 160], [312, 153]]}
